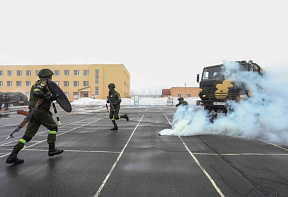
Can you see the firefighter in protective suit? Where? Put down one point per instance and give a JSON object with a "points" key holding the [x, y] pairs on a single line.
{"points": [[41, 117], [114, 99], [181, 102]]}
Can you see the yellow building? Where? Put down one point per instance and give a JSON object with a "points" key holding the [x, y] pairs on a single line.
{"points": [[76, 81]]}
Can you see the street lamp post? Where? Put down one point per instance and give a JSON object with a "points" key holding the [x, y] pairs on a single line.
{"points": [[185, 90]]}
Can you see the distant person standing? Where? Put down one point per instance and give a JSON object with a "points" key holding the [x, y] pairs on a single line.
{"points": [[181, 102], [114, 100], [6, 100], [1, 101]]}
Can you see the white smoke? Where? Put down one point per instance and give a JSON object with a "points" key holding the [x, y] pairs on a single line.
{"points": [[264, 115]]}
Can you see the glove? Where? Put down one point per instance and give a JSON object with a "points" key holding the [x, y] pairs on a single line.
{"points": [[54, 97]]}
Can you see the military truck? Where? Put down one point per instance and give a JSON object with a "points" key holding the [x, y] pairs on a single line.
{"points": [[215, 89]]}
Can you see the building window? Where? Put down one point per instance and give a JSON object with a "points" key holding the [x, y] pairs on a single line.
{"points": [[76, 83], [1, 72], [56, 72], [76, 72], [66, 72], [28, 83], [9, 83], [188, 95], [1, 83], [18, 83], [97, 90], [97, 76], [36, 72], [57, 82], [28, 73], [75, 94], [66, 83], [19, 73], [85, 83], [85, 72], [179, 95], [9, 73]]}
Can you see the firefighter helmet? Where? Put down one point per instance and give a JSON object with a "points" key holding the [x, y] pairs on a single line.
{"points": [[43, 73], [112, 85]]}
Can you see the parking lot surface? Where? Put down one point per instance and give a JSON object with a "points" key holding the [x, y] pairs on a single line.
{"points": [[136, 161]]}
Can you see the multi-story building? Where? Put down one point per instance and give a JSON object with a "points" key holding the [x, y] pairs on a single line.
{"points": [[181, 92], [76, 81]]}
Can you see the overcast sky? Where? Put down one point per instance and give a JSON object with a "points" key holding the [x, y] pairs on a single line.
{"points": [[162, 43]]}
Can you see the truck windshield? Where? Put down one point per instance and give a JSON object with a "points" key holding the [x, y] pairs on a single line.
{"points": [[213, 73]]}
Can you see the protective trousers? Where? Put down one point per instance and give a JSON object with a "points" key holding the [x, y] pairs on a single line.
{"points": [[41, 117], [114, 115]]}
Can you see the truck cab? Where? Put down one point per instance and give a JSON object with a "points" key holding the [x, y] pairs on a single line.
{"points": [[215, 89]]}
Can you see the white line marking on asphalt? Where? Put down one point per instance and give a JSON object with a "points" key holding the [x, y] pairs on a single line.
{"points": [[147, 108], [272, 144], [66, 132], [9, 125], [59, 134], [92, 151], [64, 125], [114, 165], [8, 142], [76, 151], [201, 167], [113, 152], [241, 154], [42, 132], [168, 120]]}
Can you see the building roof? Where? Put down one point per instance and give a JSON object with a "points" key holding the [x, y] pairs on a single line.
{"points": [[166, 92], [85, 89]]}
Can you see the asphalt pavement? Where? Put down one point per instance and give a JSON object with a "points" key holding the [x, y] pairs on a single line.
{"points": [[135, 160]]}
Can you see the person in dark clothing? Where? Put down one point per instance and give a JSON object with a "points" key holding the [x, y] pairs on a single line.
{"points": [[181, 102], [6, 100], [42, 116], [114, 100], [1, 101]]}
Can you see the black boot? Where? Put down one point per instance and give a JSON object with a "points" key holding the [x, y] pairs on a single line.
{"points": [[54, 151], [12, 159], [115, 125], [126, 117]]}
